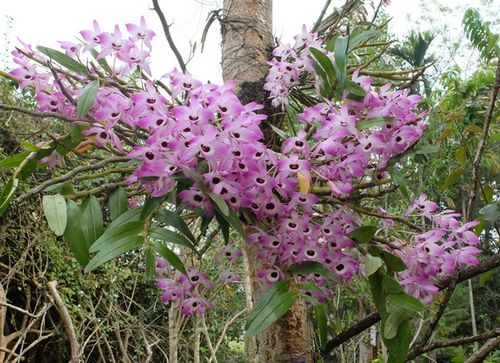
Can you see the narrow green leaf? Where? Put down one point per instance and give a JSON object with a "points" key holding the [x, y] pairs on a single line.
{"points": [[393, 262], [7, 194], [63, 60], [357, 38], [391, 285], [340, 51], [124, 239], [363, 234], [273, 304], [487, 193], [220, 203], [373, 122], [405, 301], [150, 263], [425, 149], [324, 62], [356, 92], [86, 99], [322, 322], [14, 161], [117, 203], [223, 224], [453, 177], [399, 179], [398, 346], [167, 235], [372, 264], [132, 215], [92, 219], [169, 255], [490, 212], [150, 206], [282, 134], [310, 267], [460, 155], [393, 322], [173, 219], [54, 207], [74, 235]]}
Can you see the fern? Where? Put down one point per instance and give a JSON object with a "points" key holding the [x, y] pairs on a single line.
{"points": [[480, 35]]}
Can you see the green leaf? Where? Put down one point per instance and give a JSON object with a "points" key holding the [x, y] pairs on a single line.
{"points": [[132, 215], [398, 347], [356, 92], [391, 285], [363, 234], [485, 277], [173, 219], [92, 219], [453, 177], [322, 322], [461, 154], [272, 305], [28, 146], [54, 207], [393, 322], [491, 212], [393, 262], [7, 194], [14, 161], [425, 149], [399, 179], [74, 234], [150, 263], [487, 193], [282, 134], [64, 188], [405, 301], [356, 39], [372, 264], [324, 62], [150, 206], [87, 98], [63, 60], [169, 255], [223, 224], [220, 203], [340, 51], [373, 122], [170, 236], [117, 203], [310, 267], [119, 240]]}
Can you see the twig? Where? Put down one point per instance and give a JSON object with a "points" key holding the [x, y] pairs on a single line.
{"points": [[38, 114], [223, 333], [453, 343], [321, 15], [70, 175], [66, 319], [480, 147], [479, 355], [486, 265], [166, 29]]}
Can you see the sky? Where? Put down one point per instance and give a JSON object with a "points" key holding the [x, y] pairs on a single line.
{"points": [[45, 22]]}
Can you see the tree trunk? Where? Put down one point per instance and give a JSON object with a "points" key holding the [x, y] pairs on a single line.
{"points": [[246, 47]]}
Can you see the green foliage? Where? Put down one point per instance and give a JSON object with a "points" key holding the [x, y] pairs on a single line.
{"points": [[480, 35]]}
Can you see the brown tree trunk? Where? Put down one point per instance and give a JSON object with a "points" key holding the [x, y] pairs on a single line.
{"points": [[246, 47]]}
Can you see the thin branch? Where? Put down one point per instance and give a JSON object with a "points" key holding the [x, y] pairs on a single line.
{"points": [[66, 319], [480, 355], [453, 343], [486, 265], [321, 15], [480, 147], [166, 29], [41, 187], [437, 316], [37, 114]]}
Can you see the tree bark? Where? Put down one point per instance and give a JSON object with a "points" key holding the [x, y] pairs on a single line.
{"points": [[247, 42]]}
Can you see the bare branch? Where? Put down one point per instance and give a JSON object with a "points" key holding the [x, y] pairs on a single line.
{"points": [[166, 29], [489, 264], [66, 319]]}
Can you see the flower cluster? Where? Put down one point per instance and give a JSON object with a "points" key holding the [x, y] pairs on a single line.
{"points": [[203, 133]]}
